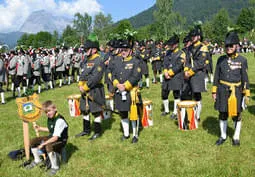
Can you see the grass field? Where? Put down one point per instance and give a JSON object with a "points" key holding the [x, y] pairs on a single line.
{"points": [[162, 150]]}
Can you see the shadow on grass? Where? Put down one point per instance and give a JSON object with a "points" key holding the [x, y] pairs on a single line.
{"points": [[70, 148], [211, 125], [107, 124], [251, 109], [10, 98]]}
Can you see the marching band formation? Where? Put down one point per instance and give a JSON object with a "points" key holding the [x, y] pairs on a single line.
{"points": [[123, 66]]}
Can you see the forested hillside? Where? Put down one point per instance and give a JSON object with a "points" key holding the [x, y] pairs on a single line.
{"points": [[193, 10]]}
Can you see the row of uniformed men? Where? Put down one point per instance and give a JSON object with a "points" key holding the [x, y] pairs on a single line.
{"points": [[28, 67]]}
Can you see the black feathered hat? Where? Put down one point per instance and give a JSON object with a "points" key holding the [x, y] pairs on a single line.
{"points": [[186, 38], [125, 44], [91, 42], [196, 31], [111, 43], [142, 44], [173, 40], [231, 38]]}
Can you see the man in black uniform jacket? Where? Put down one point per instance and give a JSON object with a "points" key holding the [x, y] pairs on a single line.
{"points": [[125, 80], [230, 88], [173, 75], [194, 70], [92, 88]]}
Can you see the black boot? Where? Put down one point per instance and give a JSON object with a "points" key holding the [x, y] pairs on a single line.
{"points": [[98, 130], [86, 129], [220, 141]]}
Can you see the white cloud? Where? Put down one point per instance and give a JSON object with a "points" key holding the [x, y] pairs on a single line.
{"points": [[13, 13]]}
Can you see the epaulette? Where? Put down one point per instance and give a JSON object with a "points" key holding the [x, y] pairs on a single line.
{"points": [[183, 55], [204, 49]]}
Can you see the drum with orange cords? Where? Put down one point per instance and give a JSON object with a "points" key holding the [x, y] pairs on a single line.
{"points": [[147, 114], [187, 115], [74, 105]]}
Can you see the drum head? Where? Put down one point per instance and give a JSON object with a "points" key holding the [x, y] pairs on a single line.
{"points": [[74, 96], [187, 104], [147, 102]]}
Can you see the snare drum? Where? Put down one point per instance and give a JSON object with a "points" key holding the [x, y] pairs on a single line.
{"points": [[109, 107], [147, 114], [187, 115], [74, 105]]}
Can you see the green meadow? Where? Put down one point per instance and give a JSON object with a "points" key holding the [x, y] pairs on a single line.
{"points": [[162, 151]]}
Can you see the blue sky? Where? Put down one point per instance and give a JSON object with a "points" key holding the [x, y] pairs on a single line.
{"points": [[125, 9], [13, 13]]}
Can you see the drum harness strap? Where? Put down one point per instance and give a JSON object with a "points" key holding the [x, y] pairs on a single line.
{"points": [[232, 101]]}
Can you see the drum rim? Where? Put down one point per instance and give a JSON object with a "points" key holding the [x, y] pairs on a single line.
{"points": [[193, 103], [74, 96], [147, 102]]}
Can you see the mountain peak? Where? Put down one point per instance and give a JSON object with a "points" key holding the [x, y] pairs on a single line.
{"points": [[43, 20]]}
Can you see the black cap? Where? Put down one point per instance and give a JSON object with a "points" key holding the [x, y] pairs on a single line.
{"points": [[142, 44], [187, 39], [21, 51], [173, 40], [56, 50], [125, 44], [91, 44], [116, 43], [196, 31], [111, 43], [12, 52], [231, 38]]}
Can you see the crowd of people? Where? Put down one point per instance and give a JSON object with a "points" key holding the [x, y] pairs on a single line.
{"points": [[123, 65], [245, 46]]}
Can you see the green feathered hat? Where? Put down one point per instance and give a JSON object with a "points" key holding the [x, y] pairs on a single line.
{"points": [[231, 37], [92, 42]]}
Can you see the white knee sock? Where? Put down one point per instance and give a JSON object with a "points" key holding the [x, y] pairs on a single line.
{"points": [[12, 87], [199, 109], [166, 105], [125, 126], [206, 81], [176, 101], [98, 119], [223, 128], [69, 80], [39, 89], [211, 78], [24, 89], [53, 160], [86, 117], [237, 125], [2, 97], [51, 86], [60, 82], [147, 82], [134, 128], [18, 90], [161, 78], [111, 104], [36, 155]]}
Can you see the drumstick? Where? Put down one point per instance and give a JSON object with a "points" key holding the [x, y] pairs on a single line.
{"points": [[36, 130]]}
